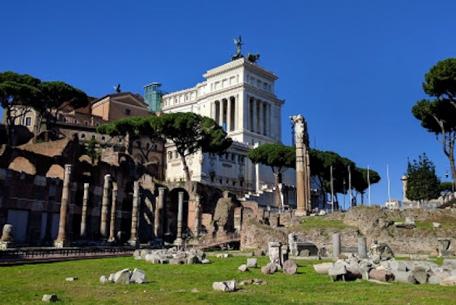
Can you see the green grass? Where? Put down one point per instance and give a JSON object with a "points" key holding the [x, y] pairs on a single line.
{"points": [[311, 223], [172, 284]]}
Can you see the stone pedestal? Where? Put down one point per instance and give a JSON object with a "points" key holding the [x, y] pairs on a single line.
{"points": [[134, 216], [274, 252], [105, 207], [62, 240], [180, 211], [7, 239], [158, 222], [337, 248], [85, 201], [112, 228]]}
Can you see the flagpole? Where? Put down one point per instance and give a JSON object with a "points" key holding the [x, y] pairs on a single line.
{"points": [[350, 186], [368, 186], [389, 182], [332, 188]]}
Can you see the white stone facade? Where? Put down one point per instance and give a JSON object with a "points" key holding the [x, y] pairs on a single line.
{"points": [[240, 96]]}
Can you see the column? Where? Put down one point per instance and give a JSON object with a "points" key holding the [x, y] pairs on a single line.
{"points": [[235, 113], [213, 110], [336, 245], [61, 240], [197, 215], [362, 247], [268, 119], [260, 117], [134, 216], [302, 181], [254, 122], [257, 173], [112, 224], [105, 207], [180, 212], [228, 115], [159, 204], [85, 201]]}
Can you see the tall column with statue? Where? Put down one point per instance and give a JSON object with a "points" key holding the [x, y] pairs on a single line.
{"points": [[302, 165]]}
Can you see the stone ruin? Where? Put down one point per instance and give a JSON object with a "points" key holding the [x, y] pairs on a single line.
{"points": [[125, 276], [301, 248], [379, 265], [7, 239], [172, 256]]}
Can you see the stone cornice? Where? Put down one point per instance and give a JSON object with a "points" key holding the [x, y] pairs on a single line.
{"points": [[242, 62]]}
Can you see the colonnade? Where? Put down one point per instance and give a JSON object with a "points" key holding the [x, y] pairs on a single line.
{"points": [[260, 116], [109, 204]]}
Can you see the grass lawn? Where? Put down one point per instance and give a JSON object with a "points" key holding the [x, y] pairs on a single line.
{"points": [[172, 284]]}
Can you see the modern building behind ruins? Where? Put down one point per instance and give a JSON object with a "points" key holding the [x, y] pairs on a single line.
{"points": [[240, 96]]}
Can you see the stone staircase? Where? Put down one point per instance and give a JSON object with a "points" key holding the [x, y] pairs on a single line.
{"points": [[263, 197]]}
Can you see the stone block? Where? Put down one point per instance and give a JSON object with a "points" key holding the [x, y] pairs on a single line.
{"points": [[270, 268], [138, 276], [251, 263], [290, 267], [322, 268], [103, 279], [449, 281], [420, 274], [381, 275], [404, 277], [49, 298], [243, 268], [122, 277], [71, 279], [227, 286]]}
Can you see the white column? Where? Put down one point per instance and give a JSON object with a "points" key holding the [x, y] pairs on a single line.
{"points": [[213, 110], [228, 115], [268, 126], [254, 122], [261, 117]]}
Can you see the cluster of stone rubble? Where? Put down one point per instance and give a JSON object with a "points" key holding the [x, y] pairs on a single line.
{"points": [[125, 276], [172, 256], [387, 269]]}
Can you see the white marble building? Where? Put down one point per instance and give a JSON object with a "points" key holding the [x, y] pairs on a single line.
{"points": [[240, 96]]}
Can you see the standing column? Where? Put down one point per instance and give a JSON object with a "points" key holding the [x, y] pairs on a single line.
{"points": [[300, 179], [213, 110], [134, 216], [61, 240], [362, 247], [261, 117], [336, 245], [197, 215], [158, 223], [268, 119], [228, 115], [85, 200], [180, 212], [112, 228], [254, 122], [104, 207]]}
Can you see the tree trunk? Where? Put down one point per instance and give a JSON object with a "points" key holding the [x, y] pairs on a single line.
{"points": [[188, 179], [453, 168], [277, 180]]}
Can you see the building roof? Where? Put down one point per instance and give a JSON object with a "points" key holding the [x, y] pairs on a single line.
{"points": [[123, 98]]}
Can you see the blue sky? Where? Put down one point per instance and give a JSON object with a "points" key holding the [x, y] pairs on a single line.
{"points": [[352, 68]]}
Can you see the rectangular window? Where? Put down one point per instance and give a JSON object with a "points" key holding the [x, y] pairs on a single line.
{"points": [[127, 111], [28, 121]]}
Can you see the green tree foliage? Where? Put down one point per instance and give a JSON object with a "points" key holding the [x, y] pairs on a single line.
{"points": [[18, 90], [438, 114], [132, 129], [91, 149], [190, 132], [19, 93], [361, 180], [422, 183], [277, 156], [320, 164]]}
